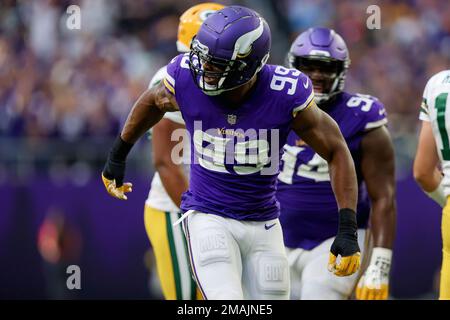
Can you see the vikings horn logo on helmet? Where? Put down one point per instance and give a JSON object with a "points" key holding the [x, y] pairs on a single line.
{"points": [[238, 41], [321, 45]]}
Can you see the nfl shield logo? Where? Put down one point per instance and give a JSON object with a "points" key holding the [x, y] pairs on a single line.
{"points": [[232, 119]]}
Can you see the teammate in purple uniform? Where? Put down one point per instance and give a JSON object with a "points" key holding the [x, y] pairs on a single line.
{"points": [[238, 112], [305, 192]]}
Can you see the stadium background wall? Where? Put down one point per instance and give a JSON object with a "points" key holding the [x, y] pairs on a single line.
{"points": [[114, 241]]}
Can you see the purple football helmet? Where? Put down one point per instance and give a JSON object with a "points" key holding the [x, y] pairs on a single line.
{"points": [[324, 50], [231, 46]]}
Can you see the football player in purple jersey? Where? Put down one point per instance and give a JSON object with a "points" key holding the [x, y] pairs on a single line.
{"points": [[305, 191], [238, 111]]}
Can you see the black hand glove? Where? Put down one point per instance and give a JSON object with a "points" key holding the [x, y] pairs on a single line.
{"points": [[346, 241], [346, 245], [114, 170]]}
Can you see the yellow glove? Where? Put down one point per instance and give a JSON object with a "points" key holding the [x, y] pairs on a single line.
{"points": [[345, 245], [117, 192], [347, 265], [374, 284]]}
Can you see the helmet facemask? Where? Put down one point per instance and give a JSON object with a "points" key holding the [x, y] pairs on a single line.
{"points": [[215, 75], [327, 74]]}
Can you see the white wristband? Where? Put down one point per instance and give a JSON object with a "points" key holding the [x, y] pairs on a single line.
{"points": [[377, 273], [382, 257], [438, 194]]}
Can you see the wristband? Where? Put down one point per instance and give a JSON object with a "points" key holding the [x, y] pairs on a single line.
{"points": [[438, 194], [347, 222], [381, 257], [120, 149]]}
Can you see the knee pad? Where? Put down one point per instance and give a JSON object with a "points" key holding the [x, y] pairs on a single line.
{"points": [[273, 274], [213, 246]]}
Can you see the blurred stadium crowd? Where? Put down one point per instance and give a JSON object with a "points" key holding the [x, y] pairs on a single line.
{"points": [[73, 84]]}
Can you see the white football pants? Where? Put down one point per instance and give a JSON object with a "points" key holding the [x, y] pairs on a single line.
{"points": [[234, 259], [310, 278]]}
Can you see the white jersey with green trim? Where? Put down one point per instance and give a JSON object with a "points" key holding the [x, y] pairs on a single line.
{"points": [[435, 109], [157, 196]]}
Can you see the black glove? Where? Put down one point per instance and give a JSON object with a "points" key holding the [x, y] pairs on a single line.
{"points": [[346, 245], [114, 170]]}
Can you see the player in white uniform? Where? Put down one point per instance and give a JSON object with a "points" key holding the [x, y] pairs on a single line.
{"points": [[432, 162], [170, 181]]}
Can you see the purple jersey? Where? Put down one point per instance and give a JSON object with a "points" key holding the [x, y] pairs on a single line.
{"points": [[236, 151], [309, 212]]}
